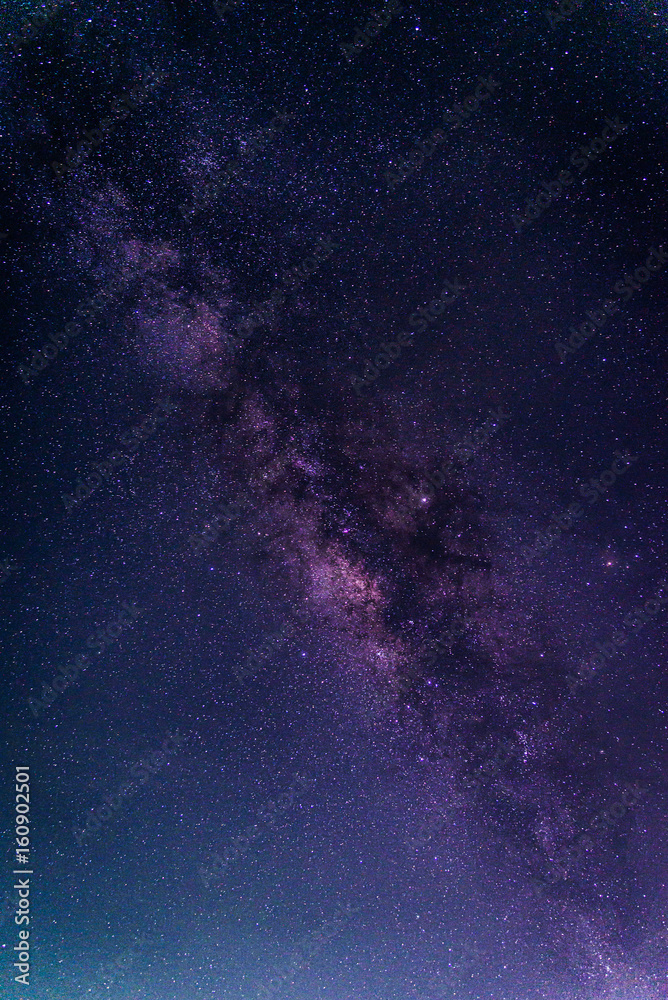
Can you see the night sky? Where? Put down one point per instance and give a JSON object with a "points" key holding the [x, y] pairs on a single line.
{"points": [[333, 567]]}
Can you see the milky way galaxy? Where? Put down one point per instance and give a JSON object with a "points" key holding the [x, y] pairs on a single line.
{"points": [[393, 595]]}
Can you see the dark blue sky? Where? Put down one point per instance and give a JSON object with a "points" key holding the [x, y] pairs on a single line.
{"points": [[387, 805]]}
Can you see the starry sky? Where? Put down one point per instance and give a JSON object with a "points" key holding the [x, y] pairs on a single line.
{"points": [[332, 563]]}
